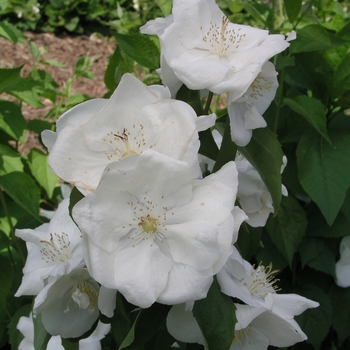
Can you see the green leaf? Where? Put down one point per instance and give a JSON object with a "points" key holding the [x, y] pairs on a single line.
{"points": [[118, 65], [342, 76], [288, 227], [12, 120], [15, 336], [293, 8], [41, 337], [228, 149], [216, 317], [165, 6], [265, 154], [6, 278], [146, 326], [312, 110], [340, 298], [140, 48], [324, 261], [9, 77], [11, 33], [248, 240], [315, 322], [324, 170], [23, 190], [70, 345], [9, 160], [310, 248], [314, 38], [74, 198], [39, 167]]}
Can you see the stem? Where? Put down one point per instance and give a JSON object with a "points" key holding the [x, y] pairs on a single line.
{"points": [[12, 229], [279, 101], [207, 105]]}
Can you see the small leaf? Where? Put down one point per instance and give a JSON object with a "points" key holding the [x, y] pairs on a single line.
{"points": [[265, 154], [140, 48], [312, 110], [310, 248], [324, 170], [216, 317], [314, 37], [23, 190], [12, 120], [248, 240], [146, 326], [293, 8], [324, 261], [288, 227], [39, 167], [9, 160], [11, 33], [9, 77], [342, 76], [228, 149]]}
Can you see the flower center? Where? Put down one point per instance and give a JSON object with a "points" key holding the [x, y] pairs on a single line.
{"points": [[261, 280], [242, 336], [221, 39], [258, 86], [149, 224], [84, 296], [57, 250]]}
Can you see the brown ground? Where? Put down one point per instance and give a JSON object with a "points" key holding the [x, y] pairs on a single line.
{"points": [[66, 50]]}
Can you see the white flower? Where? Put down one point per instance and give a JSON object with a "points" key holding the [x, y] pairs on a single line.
{"points": [[256, 287], [26, 327], [342, 267], [154, 233], [257, 328], [68, 304], [100, 131], [253, 195], [54, 249], [246, 112], [206, 51]]}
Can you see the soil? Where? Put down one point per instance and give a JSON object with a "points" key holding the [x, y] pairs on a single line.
{"points": [[66, 50]]}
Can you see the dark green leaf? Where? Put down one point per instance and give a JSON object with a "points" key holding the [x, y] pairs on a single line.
{"points": [[265, 154], [41, 337], [146, 326], [9, 77], [248, 240], [315, 322], [310, 248], [23, 190], [324, 170], [70, 345], [75, 197], [288, 227], [228, 149], [293, 8], [342, 76], [340, 298], [39, 167], [140, 48], [6, 278], [312, 110], [216, 317], [324, 261], [118, 65], [314, 38]]}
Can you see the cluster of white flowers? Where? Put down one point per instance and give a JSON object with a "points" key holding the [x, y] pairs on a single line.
{"points": [[150, 226]]}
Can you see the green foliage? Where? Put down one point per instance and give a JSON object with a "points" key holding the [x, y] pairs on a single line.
{"points": [[309, 122]]}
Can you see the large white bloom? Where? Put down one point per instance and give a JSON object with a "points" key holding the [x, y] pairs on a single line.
{"points": [[246, 112], [54, 249], [256, 287], [205, 51], [100, 131], [342, 267], [154, 233], [253, 195], [68, 304]]}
